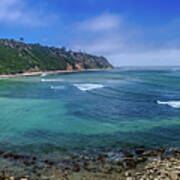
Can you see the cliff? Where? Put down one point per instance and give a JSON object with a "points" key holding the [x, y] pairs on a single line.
{"points": [[19, 57]]}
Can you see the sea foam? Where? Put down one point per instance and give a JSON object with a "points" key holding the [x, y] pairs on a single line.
{"points": [[57, 87], [44, 74], [174, 104], [88, 87], [52, 80]]}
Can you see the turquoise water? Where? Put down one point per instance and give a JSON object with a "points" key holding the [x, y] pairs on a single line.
{"points": [[89, 110]]}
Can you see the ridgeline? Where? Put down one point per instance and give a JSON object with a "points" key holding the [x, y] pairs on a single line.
{"points": [[19, 57]]}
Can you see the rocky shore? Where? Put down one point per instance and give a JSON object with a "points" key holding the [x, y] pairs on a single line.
{"points": [[139, 164]]}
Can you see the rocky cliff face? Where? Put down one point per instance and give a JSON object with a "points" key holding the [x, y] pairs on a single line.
{"points": [[17, 57]]}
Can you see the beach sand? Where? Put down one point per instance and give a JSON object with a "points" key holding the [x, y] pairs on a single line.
{"points": [[42, 73]]}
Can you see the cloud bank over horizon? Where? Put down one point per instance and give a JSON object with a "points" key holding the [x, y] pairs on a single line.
{"points": [[127, 44], [128, 34]]}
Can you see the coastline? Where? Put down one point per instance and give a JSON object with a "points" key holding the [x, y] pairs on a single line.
{"points": [[134, 162], [40, 73]]}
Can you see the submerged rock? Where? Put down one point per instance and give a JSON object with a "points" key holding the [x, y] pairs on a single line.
{"points": [[141, 159], [7, 155], [1, 152], [139, 151], [101, 157], [26, 163], [76, 168], [150, 153], [107, 169], [128, 154], [130, 163], [49, 162]]}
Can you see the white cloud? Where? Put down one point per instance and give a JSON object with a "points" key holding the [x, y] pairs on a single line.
{"points": [[164, 57], [17, 12], [100, 23], [8, 11], [127, 44]]}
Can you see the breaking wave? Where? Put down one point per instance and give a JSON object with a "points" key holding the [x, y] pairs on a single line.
{"points": [[174, 104], [52, 80], [57, 87], [88, 87], [44, 74]]}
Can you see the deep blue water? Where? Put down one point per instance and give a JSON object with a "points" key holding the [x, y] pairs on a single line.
{"points": [[89, 110]]}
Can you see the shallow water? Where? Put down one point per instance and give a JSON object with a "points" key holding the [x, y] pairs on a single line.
{"points": [[89, 110]]}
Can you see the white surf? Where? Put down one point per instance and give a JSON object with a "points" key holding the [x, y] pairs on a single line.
{"points": [[88, 87], [174, 104]]}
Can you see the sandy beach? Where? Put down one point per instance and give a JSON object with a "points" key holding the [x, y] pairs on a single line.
{"points": [[41, 73]]}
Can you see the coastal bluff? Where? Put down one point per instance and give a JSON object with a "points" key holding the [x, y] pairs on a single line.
{"points": [[19, 57]]}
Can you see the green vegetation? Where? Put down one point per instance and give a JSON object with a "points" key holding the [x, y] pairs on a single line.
{"points": [[18, 57]]}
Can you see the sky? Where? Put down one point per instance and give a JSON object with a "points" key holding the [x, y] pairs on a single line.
{"points": [[126, 32]]}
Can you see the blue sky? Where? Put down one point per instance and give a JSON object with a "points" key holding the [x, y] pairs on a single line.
{"points": [[127, 32]]}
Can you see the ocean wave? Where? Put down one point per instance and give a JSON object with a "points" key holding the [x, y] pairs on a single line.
{"points": [[44, 74], [174, 104], [57, 87], [88, 87], [52, 80]]}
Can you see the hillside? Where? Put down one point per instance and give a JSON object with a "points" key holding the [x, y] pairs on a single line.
{"points": [[18, 57]]}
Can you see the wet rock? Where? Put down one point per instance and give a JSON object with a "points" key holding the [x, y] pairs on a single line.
{"points": [[107, 169], [34, 171], [161, 150], [38, 175], [130, 163], [32, 162], [76, 168], [176, 151], [14, 156], [49, 162], [85, 166], [35, 167], [1, 152], [150, 153], [34, 158], [119, 163], [127, 173], [27, 157], [101, 157], [73, 156], [46, 161], [128, 154], [141, 159], [139, 151], [7, 155], [26, 163], [150, 168], [118, 170], [18, 156]]}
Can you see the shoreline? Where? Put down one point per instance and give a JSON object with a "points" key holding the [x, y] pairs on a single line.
{"points": [[40, 73], [143, 164]]}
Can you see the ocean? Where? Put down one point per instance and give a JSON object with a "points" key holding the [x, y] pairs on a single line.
{"points": [[120, 108]]}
